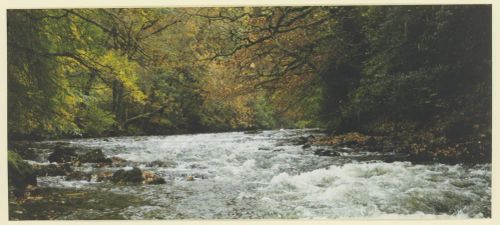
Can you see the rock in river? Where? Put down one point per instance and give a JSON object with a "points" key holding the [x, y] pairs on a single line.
{"points": [[79, 175], [136, 176], [253, 132], [152, 178], [303, 140], [52, 169], [20, 172], [118, 162], [326, 152], [94, 156], [159, 163], [128, 176], [24, 151], [62, 155], [104, 176]]}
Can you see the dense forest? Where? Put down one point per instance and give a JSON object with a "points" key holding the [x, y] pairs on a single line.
{"points": [[420, 75]]}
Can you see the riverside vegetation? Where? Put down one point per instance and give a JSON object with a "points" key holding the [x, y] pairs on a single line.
{"points": [[412, 80]]}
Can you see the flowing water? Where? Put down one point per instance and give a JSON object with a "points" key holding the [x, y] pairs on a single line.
{"points": [[238, 175]]}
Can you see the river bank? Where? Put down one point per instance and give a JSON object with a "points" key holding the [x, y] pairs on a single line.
{"points": [[419, 148]]}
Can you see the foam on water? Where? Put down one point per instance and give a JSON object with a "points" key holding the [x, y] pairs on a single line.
{"points": [[239, 175], [376, 189]]}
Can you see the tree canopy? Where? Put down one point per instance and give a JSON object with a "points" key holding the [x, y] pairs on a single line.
{"points": [[375, 69]]}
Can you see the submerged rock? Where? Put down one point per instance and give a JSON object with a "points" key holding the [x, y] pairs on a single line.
{"points": [[281, 143], [133, 176], [423, 157], [52, 169], [253, 132], [104, 176], [300, 141], [197, 166], [304, 140], [128, 176], [373, 145], [118, 162], [62, 155], [159, 163], [395, 157], [79, 175], [326, 152], [20, 174], [152, 178], [15, 208], [74, 204]]}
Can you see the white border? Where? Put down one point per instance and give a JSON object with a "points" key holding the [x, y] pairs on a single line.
{"points": [[13, 4]]}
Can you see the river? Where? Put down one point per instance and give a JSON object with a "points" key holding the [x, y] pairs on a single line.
{"points": [[263, 175]]}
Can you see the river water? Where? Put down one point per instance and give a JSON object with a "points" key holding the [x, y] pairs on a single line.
{"points": [[238, 175]]}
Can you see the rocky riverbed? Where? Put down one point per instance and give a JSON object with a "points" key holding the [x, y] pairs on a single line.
{"points": [[261, 174]]}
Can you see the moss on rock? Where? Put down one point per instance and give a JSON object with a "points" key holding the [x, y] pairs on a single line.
{"points": [[20, 173]]}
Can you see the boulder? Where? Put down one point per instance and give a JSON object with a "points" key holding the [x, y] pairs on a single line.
{"points": [[20, 174], [128, 176], [23, 149], [26, 153], [62, 155], [52, 169], [94, 156], [133, 176]]}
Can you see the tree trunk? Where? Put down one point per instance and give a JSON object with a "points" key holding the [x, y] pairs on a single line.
{"points": [[117, 105]]}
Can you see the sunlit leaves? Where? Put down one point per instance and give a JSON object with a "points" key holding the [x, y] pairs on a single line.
{"points": [[125, 72]]}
